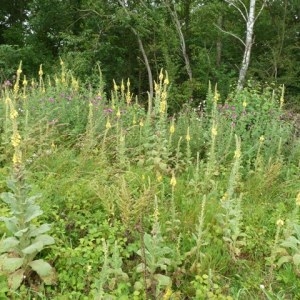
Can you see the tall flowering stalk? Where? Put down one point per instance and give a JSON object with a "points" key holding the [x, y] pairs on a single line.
{"points": [[26, 240]]}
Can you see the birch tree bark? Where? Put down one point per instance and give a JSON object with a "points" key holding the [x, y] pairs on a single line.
{"points": [[249, 16]]}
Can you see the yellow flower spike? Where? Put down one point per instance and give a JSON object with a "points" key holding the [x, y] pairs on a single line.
{"points": [[225, 197], [16, 139], [298, 199], [118, 113], [134, 120], [13, 114], [163, 106], [282, 97], [108, 124], [158, 176], [75, 84], [156, 87], [172, 127], [122, 86], [280, 223], [141, 123], [262, 139], [25, 82], [188, 137], [168, 293], [166, 81], [115, 86], [214, 131], [161, 75], [237, 153], [216, 96], [61, 62], [19, 71], [41, 71], [173, 181], [245, 103], [17, 158]]}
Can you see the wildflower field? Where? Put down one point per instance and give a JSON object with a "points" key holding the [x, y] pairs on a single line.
{"points": [[106, 197]]}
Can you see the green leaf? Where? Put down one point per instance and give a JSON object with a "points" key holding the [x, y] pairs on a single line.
{"points": [[163, 280], [10, 223], [21, 232], [283, 260], [8, 244], [9, 198], [296, 259], [32, 212], [33, 248], [11, 264], [45, 239], [44, 270], [35, 231], [15, 279]]}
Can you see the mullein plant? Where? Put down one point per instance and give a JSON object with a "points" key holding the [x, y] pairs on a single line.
{"points": [[26, 237], [231, 218]]}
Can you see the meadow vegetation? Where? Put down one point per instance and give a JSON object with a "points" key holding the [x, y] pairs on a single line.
{"points": [[104, 197]]}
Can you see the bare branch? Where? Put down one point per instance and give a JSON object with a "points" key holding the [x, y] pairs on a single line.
{"points": [[232, 34], [261, 9], [245, 17]]}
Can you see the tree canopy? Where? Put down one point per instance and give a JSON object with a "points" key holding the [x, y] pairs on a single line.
{"points": [[196, 41]]}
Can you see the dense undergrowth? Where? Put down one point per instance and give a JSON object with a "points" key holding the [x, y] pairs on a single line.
{"points": [[143, 205]]}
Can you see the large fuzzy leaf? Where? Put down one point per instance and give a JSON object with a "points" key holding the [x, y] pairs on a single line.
{"points": [[32, 211], [33, 248], [45, 239], [11, 264], [296, 259], [15, 279], [35, 231], [8, 244], [44, 270], [10, 199]]}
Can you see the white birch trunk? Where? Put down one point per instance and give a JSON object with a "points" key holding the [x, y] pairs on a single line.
{"points": [[248, 45]]}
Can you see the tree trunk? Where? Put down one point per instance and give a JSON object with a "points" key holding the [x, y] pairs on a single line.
{"points": [[248, 45]]}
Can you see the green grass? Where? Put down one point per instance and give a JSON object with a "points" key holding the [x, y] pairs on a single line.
{"points": [[121, 229]]}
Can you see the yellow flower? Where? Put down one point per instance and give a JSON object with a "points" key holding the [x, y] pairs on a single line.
{"points": [[13, 114], [298, 199], [262, 139], [108, 124], [216, 96], [16, 139], [17, 158], [41, 71], [122, 86], [163, 106], [280, 223], [237, 153], [188, 137], [173, 180], [172, 128], [141, 123], [158, 177], [161, 76], [167, 294], [244, 103], [214, 131]]}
